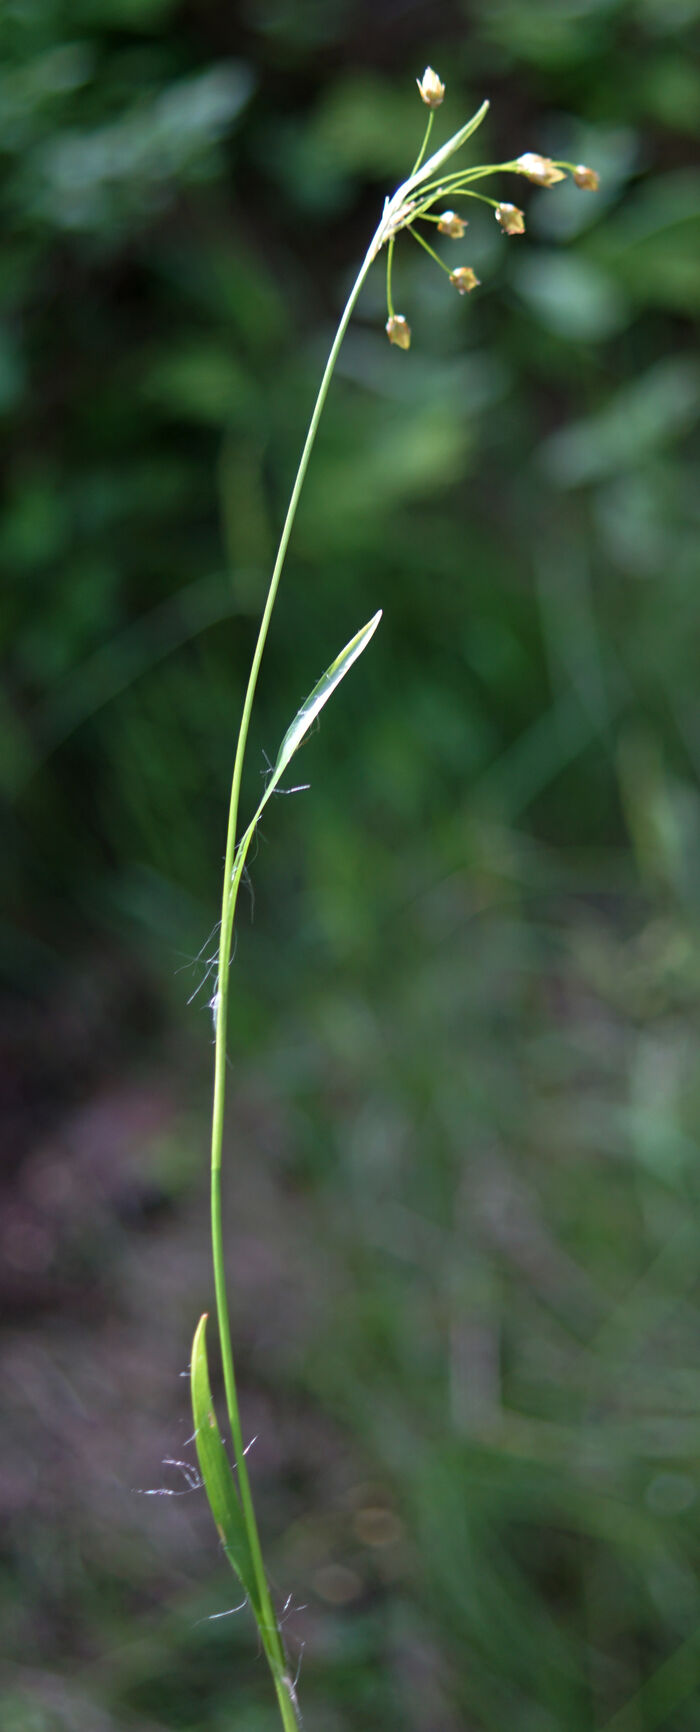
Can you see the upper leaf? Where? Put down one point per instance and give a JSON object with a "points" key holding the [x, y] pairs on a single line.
{"points": [[303, 720], [306, 716]]}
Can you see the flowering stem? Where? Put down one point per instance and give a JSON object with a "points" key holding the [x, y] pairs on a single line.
{"points": [[394, 217], [235, 859], [428, 249], [424, 145], [425, 216], [389, 262], [465, 192], [410, 200], [460, 177]]}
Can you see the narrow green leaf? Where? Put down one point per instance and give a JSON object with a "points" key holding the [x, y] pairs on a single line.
{"points": [[216, 1472], [306, 716], [304, 719]]}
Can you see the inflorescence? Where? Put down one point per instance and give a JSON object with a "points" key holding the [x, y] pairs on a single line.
{"points": [[414, 201]]}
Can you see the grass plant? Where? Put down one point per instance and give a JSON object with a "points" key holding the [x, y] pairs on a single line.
{"points": [[413, 202]]}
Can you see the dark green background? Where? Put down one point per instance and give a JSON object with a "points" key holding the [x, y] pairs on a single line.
{"points": [[463, 1205]]}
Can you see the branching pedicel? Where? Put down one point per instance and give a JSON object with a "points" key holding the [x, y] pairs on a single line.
{"points": [[413, 203]]}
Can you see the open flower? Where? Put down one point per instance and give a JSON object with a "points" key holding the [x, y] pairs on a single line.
{"points": [[510, 219], [431, 88], [451, 224], [398, 331], [539, 169], [587, 178], [464, 279]]}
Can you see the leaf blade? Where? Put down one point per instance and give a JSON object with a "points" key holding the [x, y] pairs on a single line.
{"points": [[322, 691], [216, 1471], [298, 730]]}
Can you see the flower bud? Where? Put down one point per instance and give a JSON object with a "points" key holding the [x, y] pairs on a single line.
{"points": [[398, 331], [464, 279], [539, 169], [511, 220], [451, 224], [431, 88], [587, 178]]}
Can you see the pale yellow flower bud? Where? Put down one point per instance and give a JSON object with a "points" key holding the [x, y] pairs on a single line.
{"points": [[587, 178], [464, 279], [398, 331], [431, 88], [539, 169], [510, 219], [451, 224]]}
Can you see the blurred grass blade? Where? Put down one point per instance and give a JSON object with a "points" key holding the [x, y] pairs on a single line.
{"points": [[306, 716], [216, 1472]]}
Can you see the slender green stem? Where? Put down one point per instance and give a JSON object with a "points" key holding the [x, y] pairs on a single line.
{"points": [[389, 262], [424, 145], [421, 210], [425, 216], [446, 182], [235, 862], [424, 244]]}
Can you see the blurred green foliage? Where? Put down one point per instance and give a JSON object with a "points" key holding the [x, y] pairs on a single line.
{"points": [[465, 1022]]}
